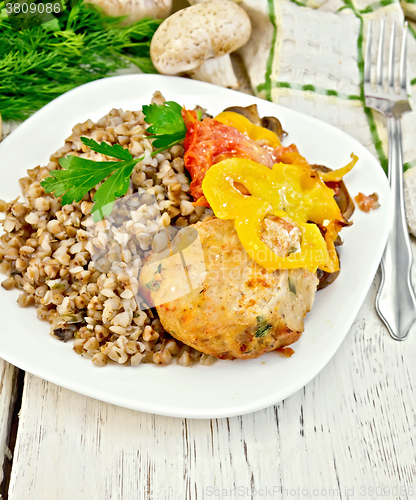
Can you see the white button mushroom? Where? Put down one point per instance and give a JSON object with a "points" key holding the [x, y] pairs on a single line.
{"points": [[193, 2], [135, 9], [198, 40]]}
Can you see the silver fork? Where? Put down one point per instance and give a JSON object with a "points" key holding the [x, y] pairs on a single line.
{"points": [[395, 301]]}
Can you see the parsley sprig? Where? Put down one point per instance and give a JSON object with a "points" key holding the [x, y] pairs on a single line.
{"points": [[79, 175], [168, 127]]}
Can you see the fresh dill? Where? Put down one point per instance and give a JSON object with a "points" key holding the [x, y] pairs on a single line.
{"points": [[79, 46]]}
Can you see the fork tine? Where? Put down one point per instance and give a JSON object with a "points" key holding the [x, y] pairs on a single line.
{"points": [[380, 55], [367, 59], [382, 94], [403, 58], [391, 56]]}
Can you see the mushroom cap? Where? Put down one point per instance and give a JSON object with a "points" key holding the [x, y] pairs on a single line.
{"points": [[203, 31], [135, 9]]}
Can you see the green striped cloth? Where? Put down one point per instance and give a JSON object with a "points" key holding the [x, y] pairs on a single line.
{"points": [[309, 55]]}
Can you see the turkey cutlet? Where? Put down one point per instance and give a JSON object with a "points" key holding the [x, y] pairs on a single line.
{"points": [[235, 309]]}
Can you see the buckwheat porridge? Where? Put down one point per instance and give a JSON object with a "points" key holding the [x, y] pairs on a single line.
{"points": [[48, 254]]}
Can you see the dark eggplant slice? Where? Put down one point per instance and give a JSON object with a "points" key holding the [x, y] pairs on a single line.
{"points": [[273, 124], [325, 278], [343, 198], [344, 201], [250, 112], [321, 168], [203, 112]]}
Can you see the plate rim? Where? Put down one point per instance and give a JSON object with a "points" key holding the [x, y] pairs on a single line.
{"points": [[143, 406]]}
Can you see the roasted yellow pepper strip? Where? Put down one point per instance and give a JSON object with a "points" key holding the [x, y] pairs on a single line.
{"points": [[246, 127], [337, 175], [289, 191], [330, 236]]}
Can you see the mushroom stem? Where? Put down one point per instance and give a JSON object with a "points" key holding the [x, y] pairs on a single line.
{"points": [[217, 70]]}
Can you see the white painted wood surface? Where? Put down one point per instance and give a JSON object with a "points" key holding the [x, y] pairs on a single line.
{"points": [[350, 433], [8, 374], [351, 429]]}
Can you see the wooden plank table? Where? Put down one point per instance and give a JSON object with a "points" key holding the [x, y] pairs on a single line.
{"points": [[350, 433], [8, 393]]}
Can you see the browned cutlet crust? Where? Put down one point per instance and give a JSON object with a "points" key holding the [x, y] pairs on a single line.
{"points": [[239, 310]]}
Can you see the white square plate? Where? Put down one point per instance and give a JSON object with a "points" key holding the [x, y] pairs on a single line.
{"points": [[227, 388]]}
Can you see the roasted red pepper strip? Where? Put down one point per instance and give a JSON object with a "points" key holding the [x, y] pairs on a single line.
{"points": [[288, 155], [208, 141]]}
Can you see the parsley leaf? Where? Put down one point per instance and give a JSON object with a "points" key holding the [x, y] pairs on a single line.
{"points": [[155, 283], [262, 327], [114, 187], [79, 175], [58, 286], [168, 127], [292, 286], [166, 142], [115, 151], [165, 118]]}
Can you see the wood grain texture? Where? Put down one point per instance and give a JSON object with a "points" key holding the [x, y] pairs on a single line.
{"points": [[8, 374], [349, 430]]}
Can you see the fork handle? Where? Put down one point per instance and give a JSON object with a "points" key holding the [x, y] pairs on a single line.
{"points": [[395, 301]]}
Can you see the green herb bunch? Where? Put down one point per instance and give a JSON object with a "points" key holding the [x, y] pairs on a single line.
{"points": [[79, 46]]}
